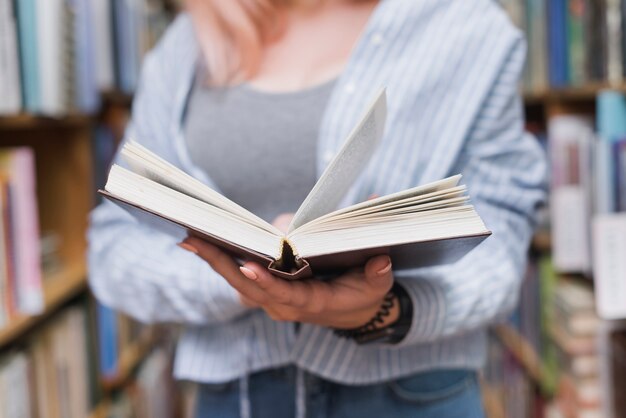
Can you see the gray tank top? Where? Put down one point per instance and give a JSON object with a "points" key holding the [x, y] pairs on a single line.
{"points": [[259, 148]]}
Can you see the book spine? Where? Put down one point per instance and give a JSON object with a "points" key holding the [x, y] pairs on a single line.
{"points": [[103, 41], [9, 64], [570, 144], [107, 340], [26, 232], [557, 24], [50, 44], [87, 98], [5, 312], [595, 39], [576, 42], [27, 24], [620, 175], [609, 247], [611, 126], [614, 40]]}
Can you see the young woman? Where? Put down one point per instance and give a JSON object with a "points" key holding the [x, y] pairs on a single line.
{"points": [[253, 97]]}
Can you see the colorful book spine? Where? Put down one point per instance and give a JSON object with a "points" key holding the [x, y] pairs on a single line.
{"points": [[29, 62], [11, 101], [107, 341], [595, 39], [619, 155], [87, 97], [609, 248], [610, 126], [20, 164], [576, 42], [614, 41], [557, 43]]}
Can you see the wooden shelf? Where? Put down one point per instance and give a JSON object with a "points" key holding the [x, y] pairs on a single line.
{"points": [[117, 98], [129, 359], [27, 121], [101, 410], [585, 93], [58, 288], [542, 242], [522, 350], [492, 401], [30, 121]]}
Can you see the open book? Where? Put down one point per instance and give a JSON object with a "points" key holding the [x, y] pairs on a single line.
{"points": [[426, 225]]}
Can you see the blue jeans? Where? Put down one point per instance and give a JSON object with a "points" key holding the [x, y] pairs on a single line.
{"points": [[272, 394]]}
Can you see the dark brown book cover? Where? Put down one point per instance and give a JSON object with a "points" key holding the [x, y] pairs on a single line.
{"points": [[404, 256]]}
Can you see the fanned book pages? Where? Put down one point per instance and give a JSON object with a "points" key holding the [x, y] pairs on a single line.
{"points": [[426, 225]]}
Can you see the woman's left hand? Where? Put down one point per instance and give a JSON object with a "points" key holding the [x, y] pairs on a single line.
{"points": [[348, 301]]}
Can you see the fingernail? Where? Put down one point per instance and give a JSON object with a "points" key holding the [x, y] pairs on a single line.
{"points": [[188, 247], [248, 273], [385, 269]]}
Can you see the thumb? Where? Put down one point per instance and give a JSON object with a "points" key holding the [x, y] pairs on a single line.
{"points": [[378, 272]]}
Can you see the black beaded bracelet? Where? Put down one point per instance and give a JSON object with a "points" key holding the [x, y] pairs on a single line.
{"points": [[370, 326], [392, 333]]}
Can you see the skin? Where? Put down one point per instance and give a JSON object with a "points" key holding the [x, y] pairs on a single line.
{"points": [[346, 302], [330, 32]]}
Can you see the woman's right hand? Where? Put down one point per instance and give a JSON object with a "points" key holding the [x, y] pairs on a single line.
{"points": [[281, 222]]}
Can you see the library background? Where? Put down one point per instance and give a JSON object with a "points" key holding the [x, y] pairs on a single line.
{"points": [[68, 69]]}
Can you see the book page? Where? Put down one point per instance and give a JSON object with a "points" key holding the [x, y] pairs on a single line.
{"points": [[149, 165], [180, 207], [349, 162]]}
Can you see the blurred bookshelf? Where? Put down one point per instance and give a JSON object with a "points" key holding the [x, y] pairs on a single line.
{"points": [[66, 90], [561, 353]]}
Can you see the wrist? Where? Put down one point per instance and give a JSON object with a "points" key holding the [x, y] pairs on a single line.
{"points": [[390, 323]]}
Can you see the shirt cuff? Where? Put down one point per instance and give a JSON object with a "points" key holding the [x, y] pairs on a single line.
{"points": [[429, 311]]}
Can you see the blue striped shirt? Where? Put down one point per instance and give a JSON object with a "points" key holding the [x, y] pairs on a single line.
{"points": [[451, 68]]}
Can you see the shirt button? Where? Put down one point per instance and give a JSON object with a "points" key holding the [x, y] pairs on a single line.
{"points": [[377, 39], [328, 156], [350, 88]]}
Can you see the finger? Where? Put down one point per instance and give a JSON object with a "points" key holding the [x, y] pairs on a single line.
{"points": [[283, 221], [378, 273], [279, 290], [225, 266]]}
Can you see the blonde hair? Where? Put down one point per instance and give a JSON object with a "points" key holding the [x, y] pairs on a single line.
{"points": [[232, 33]]}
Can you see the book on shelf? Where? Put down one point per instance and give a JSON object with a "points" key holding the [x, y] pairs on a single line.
{"points": [[116, 333], [609, 220], [595, 39], [574, 308], [49, 377], [609, 247], [571, 42], [20, 275], [29, 54], [571, 140], [577, 59], [575, 332], [536, 74], [56, 55], [580, 398], [103, 44], [52, 58], [153, 394], [425, 225], [558, 57], [611, 127], [9, 61]]}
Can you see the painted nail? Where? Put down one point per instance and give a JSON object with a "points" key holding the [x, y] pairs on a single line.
{"points": [[248, 273], [385, 269], [188, 247]]}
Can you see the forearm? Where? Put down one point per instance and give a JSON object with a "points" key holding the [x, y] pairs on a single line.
{"points": [[476, 291], [144, 274]]}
